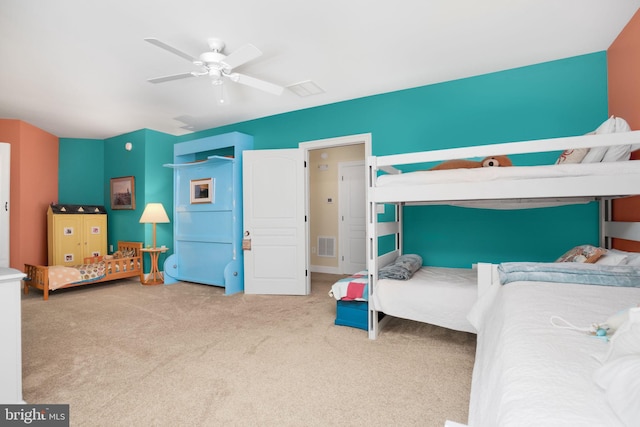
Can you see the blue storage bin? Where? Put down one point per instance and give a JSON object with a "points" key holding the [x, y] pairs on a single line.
{"points": [[353, 314]]}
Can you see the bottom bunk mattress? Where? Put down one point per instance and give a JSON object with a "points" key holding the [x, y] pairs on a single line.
{"points": [[436, 295]]}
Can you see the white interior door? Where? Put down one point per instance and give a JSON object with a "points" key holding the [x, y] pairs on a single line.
{"points": [[353, 233], [5, 175], [275, 255]]}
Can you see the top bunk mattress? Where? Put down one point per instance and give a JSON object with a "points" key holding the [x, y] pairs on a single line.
{"points": [[548, 184], [512, 173]]}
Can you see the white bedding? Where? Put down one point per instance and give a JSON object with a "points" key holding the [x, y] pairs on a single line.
{"points": [[508, 173], [436, 295], [530, 373], [518, 187]]}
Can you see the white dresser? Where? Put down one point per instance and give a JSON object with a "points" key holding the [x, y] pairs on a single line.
{"points": [[10, 337]]}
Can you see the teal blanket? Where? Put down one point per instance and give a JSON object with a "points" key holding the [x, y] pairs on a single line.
{"points": [[570, 272]]}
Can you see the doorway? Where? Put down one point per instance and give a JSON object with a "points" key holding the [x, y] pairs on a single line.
{"points": [[336, 239], [264, 270]]}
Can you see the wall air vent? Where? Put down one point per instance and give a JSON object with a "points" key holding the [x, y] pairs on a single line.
{"points": [[327, 246]]}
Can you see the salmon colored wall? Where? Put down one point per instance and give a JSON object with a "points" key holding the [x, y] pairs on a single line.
{"points": [[623, 67], [34, 185]]}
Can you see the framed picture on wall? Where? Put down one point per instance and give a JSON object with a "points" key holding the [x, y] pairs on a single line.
{"points": [[123, 194], [202, 190]]}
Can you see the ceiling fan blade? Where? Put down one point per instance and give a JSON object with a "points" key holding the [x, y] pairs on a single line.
{"points": [[171, 49], [241, 56], [171, 77], [256, 83]]}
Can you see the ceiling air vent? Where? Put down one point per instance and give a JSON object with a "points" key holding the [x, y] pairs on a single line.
{"points": [[306, 88]]}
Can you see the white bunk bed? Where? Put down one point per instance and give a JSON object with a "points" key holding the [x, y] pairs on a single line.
{"points": [[518, 187]]}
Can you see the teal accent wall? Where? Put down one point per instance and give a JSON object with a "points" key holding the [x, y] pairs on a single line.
{"points": [[153, 183], [86, 169], [123, 223], [559, 98], [553, 99], [81, 172], [158, 185]]}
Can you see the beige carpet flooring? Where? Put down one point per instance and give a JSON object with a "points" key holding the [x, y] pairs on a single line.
{"points": [[123, 354]]}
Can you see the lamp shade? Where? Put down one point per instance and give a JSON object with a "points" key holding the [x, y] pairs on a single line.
{"points": [[154, 213]]}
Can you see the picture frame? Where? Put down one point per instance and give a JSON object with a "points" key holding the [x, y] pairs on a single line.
{"points": [[123, 194], [202, 190]]}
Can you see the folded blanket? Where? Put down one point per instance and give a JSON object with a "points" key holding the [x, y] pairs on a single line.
{"points": [[570, 272], [352, 288], [402, 268]]}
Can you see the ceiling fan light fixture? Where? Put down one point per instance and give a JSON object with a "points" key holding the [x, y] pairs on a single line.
{"points": [[220, 93], [212, 57], [215, 74], [215, 44], [218, 65]]}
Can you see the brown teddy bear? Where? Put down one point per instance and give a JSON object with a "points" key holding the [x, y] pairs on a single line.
{"points": [[491, 161]]}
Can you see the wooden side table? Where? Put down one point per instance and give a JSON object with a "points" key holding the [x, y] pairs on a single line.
{"points": [[155, 276]]}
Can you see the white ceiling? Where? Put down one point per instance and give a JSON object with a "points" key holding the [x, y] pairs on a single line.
{"points": [[79, 68]]}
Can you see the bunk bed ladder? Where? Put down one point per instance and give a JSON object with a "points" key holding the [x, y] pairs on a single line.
{"points": [[375, 230]]}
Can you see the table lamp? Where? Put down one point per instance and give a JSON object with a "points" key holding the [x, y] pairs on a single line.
{"points": [[154, 213]]}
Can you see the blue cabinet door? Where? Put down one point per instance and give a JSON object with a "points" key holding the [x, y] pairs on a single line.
{"points": [[208, 212]]}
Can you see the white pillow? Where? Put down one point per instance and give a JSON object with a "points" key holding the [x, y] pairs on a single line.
{"points": [[634, 259], [620, 380], [597, 154], [626, 339], [619, 153], [612, 258], [622, 125], [572, 155], [608, 126]]}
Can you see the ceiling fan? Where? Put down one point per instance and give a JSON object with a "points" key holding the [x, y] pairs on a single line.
{"points": [[218, 65]]}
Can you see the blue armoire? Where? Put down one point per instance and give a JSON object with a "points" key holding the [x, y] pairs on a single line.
{"points": [[207, 212]]}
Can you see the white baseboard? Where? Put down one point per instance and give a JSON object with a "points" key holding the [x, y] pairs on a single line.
{"points": [[324, 269]]}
